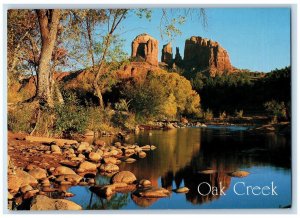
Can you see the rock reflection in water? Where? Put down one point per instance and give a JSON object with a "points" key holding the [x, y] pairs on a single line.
{"points": [[182, 154]]}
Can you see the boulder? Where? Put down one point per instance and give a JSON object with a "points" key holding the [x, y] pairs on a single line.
{"points": [[102, 191], [110, 160], [72, 178], [129, 160], [207, 171], [42, 202], [239, 174], [69, 163], [146, 147], [123, 177], [62, 170], [38, 173], [145, 183], [182, 190], [14, 183], [152, 147], [83, 146], [26, 178], [142, 154], [109, 168], [46, 182], [30, 167], [93, 156], [20, 179], [129, 152], [138, 149], [152, 193], [30, 194], [55, 149], [100, 143], [9, 196], [86, 167], [26, 188]]}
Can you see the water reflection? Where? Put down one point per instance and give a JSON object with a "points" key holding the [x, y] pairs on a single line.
{"points": [[182, 153]]}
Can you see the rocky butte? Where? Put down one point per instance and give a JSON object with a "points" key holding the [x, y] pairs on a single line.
{"points": [[145, 47], [206, 55]]}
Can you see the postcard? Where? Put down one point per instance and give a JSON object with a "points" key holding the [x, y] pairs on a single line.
{"points": [[149, 108]]}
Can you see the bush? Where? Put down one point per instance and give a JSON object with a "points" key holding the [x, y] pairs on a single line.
{"points": [[70, 119], [100, 120], [276, 109], [208, 115], [162, 95], [239, 114], [222, 115], [21, 119], [124, 120]]}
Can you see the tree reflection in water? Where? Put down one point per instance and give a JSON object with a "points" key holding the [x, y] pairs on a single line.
{"points": [[182, 153]]}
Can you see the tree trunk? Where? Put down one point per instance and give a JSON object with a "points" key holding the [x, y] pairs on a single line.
{"points": [[48, 35], [99, 95]]}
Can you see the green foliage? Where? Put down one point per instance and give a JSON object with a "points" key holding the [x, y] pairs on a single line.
{"points": [[20, 119], [277, 109], [122, 105], [243, 90], [70, 119], [162, 95], [100, 119], [124, 120]]}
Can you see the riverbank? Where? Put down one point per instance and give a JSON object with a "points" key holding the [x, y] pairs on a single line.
{"points": [[43, 169]]}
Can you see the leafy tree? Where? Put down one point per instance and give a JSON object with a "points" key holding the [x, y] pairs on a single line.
{"points": [[161, 95]]}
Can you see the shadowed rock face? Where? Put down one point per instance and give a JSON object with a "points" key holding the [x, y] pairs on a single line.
{"points": [[167, 54], [145, 47], [206, 55]]}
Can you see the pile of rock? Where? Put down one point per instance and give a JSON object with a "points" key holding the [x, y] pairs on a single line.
{"points": [[125, 181], [81, 162]]}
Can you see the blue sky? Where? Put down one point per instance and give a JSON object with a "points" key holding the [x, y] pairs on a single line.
{"points": [[255, 38]]}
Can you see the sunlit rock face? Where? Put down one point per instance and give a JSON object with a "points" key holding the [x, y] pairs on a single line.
{"points": [[145, 47], [206, 55]]}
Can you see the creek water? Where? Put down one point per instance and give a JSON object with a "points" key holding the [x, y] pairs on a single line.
{"points": [[182, 154]]}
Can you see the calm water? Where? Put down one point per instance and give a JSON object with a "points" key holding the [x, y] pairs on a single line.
{"points": [[182, 153]]}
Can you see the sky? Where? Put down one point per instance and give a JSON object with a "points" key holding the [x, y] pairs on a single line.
{"points": [[257, 39]]}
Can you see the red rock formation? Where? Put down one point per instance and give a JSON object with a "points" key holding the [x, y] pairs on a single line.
{"points": [[206, 55], [145, 47], [167, 54]]}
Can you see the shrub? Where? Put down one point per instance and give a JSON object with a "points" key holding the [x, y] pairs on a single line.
{"points": [[100, 119], [122, 105], [124, 120], [20, 119], [162, 95], [276, 109], [70, 119], [222, 115], [208, 115], [239, 114]]}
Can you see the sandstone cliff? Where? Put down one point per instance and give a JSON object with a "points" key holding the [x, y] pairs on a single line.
{"points": [[206, 55], [145, 47], [167, 54]]}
